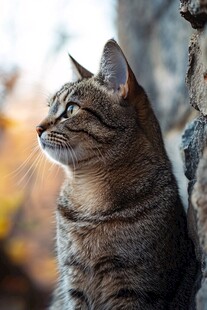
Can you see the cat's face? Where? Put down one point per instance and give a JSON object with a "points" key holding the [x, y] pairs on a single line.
{"points": [[85, 122], [91, 120]]}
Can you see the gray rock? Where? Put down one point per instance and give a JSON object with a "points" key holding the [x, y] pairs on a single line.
{"points": [[197, 73], [155, 40], [195, 138], [195, 11], [201, 299], [199, 200], [193, 141]]}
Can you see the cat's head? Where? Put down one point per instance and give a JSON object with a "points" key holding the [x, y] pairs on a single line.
{"points": [[97, 117]]}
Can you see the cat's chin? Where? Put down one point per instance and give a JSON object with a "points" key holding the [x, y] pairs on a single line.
{"points": [[72, 160], [60, 157]]}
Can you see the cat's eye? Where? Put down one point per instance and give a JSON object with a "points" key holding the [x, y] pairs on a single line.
{"points": [[71, 110]]}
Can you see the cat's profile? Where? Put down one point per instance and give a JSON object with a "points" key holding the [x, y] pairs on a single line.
{"points": [[122, 239]]}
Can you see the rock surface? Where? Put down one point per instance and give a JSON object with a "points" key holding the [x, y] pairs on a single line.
{"points": [[193, 141], [195, 11], [199, 199], [196, 78], [195, 137], [155, 40]]}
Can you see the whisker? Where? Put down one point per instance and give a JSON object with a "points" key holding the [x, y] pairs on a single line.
{"points": [[38, 168], [31, 167], [101, 155], [74, 159], [18, 170], [43, 170], [34, 184], [57, 169], [53, 164], [73, 156]]}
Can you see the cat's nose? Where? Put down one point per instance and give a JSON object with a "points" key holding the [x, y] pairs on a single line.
{"points": [[39, 130]]}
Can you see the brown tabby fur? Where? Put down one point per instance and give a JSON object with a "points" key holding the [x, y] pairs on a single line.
{"points": [[122, 240]]}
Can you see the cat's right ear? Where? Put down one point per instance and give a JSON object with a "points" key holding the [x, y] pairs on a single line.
{"points": [[78, 71], [114, 70]]}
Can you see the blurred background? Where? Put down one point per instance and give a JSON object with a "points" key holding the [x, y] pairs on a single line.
{"points": [[35, 37]]}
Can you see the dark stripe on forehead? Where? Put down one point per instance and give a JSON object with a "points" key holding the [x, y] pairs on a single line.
{"points": [[67, 87], [54, 107], [66, 94], [62, 94]]}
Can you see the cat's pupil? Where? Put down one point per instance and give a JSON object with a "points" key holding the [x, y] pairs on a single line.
{"points": [[71, 110]]}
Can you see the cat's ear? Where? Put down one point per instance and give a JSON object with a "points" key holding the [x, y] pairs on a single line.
{"points": [[114, 69], [78, 71]]}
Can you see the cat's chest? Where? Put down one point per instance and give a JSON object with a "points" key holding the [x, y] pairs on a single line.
{"points": [[78, 242], [87, 194]]}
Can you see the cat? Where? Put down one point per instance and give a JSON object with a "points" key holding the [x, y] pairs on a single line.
{"points": [[122, 240]]}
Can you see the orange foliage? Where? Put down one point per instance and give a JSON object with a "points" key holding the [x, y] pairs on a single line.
{"points": [[27, 194]]}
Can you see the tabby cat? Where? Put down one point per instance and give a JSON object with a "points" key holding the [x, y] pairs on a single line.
{"points": [[122, 240]]}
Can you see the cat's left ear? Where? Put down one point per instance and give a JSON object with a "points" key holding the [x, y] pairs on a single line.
{"points": [[114, 69], [78, 71]]}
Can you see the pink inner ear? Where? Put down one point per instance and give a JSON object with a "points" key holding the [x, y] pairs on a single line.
{"points": [[123, 90], [114, 67]]}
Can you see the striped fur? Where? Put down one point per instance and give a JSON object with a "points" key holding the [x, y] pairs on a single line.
{"points": [[122, 238]]}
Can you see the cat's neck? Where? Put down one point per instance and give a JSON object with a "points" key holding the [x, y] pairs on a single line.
{"points": [[89, 186], [99, 188]]}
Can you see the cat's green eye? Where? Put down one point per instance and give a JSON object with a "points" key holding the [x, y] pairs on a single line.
{"points": [[72, 110]]}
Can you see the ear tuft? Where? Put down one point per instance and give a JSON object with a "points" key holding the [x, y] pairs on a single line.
{"points": [[78, 71], [114, 70]]}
